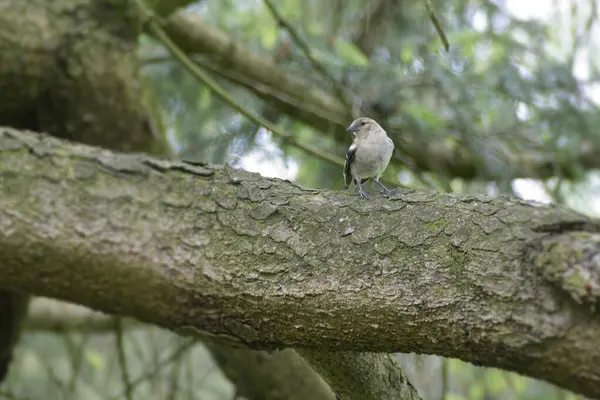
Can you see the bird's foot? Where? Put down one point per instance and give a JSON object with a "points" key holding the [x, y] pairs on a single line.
{"points": [[384, 190], [362, 193]]}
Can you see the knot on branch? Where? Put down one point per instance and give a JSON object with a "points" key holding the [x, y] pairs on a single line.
{"points": [[571, 261]]}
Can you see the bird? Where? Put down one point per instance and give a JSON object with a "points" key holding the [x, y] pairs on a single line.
{"points": [[368, 156]]}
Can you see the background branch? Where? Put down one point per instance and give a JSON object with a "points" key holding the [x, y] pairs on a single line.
{"points": [[194, 36], [305, 47]]}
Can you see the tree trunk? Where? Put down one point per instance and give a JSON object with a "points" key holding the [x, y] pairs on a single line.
{"points": [[269, 264]]}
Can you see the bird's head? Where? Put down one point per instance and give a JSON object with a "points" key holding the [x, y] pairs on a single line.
{"points": [[363, 126]]}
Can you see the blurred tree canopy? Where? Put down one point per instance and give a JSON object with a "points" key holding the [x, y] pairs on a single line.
{"points": [[513, 101], [505, 102]]}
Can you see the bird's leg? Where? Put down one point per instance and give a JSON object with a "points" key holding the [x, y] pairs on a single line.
{"points": [[360, 189], [385, 190]]}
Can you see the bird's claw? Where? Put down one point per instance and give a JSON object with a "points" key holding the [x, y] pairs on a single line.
{"points": [[362, 193], [386, 192]]}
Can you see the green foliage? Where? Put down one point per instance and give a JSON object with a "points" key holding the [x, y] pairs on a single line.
{"points": [[503, 90]]}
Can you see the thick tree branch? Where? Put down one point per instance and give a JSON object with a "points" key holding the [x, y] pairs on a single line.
{"points": [[303, 100], [282, 369], [266, 263], [362, 375]]}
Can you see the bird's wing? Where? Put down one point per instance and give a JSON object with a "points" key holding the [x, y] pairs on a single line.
{"points": [[393, 147], [349, 158]]}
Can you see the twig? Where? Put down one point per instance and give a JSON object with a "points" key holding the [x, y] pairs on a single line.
{"points": [[174, 384], [200, 74], [436, 23], [262, 90], [160, 365], [122, 359], [445, 372], [305, 47], [76, 355]]}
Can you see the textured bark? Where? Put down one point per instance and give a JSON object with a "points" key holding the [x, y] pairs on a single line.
{"points": [[304, 100], [362, 375], [284, 373], [264, 262], [68, 68]]}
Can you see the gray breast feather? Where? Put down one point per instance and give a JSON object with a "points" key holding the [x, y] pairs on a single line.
{"points": [[372, 157]]}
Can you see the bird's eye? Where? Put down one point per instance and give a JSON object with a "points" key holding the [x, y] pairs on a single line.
{"points": [[363, 122]]}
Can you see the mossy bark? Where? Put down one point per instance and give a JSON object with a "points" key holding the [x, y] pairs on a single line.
{"points": [[270, 264], [69, 68]]}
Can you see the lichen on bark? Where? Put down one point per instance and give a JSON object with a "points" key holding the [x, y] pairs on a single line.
{"points": [[572, 261]]}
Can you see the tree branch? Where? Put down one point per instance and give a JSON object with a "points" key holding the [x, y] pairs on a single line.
{"points": [[213, 85], [193, 36], [283, 369], [362, 375], [306, 49], [269, 264], [436, 24], [48, 315]]}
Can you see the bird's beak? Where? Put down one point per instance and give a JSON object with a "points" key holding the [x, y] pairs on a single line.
{"points": [[354, 127]]}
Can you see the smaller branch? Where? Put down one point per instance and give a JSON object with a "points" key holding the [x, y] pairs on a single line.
{"points": [[305, 47], [204, 77], [436, 23], [48, 315], [355, 375], [179, 352], [76, 356], [122, 359], [370, 24], [295, 107], [174, 388]]}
